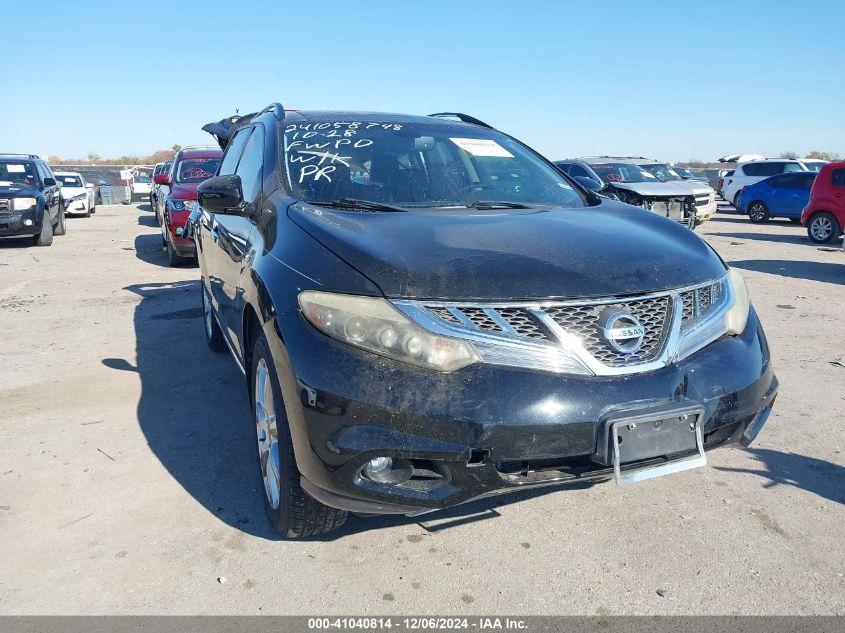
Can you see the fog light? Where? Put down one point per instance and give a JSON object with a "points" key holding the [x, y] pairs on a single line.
{"points": [[27, 222], [178, 230], [385, 470]]}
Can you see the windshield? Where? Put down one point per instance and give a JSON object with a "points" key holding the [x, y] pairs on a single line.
{"points": [[17, 174], [69, 181], [417, 165], [683, 173], [196, 169], [662, 171], [623, 172]]}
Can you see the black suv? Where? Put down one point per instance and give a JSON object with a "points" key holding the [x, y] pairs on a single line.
{"points": [[427, 312], [30, 202]]}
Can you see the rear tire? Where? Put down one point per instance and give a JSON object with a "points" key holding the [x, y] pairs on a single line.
{"points": [[823, 228], [45, 236], [213, 333], [758, 212], [292, 512], [736, 201]]}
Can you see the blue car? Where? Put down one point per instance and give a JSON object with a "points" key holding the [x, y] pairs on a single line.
{"points": [[781, 196]]}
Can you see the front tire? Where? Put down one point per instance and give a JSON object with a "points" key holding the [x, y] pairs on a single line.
{"points": [[45, 236], [213, 333], [823, 228], [292, 512], [758, 212]]}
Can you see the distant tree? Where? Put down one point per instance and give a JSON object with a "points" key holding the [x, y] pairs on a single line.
{"points": [[790, 155], [822, 155], [694, 162], [94, 158], [54, 160]]}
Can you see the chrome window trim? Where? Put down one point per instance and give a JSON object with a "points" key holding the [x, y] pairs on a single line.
{"points": [[566, 354]]}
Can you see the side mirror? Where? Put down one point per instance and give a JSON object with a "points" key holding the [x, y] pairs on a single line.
{"points": [[589, 183], [89, 185], [49, 182], [222, 194], [161, 179]]}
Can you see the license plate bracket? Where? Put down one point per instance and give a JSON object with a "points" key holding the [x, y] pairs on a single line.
{"points": [[653, 436]]}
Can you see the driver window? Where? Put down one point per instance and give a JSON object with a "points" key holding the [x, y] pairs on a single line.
{"points": [[233, 152], [251, 164]]}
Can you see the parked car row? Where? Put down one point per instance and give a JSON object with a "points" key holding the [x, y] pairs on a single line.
{"points": [[427, 311], [816, 199], [645, 183]]}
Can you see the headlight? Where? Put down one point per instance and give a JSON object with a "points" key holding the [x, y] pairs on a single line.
{"points": [[375, 325], [22, 204], [81, 196], [737, 315], [728, 316], [181, 205]]}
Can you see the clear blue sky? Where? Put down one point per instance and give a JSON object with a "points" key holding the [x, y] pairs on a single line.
{"points": [[674, 80]]}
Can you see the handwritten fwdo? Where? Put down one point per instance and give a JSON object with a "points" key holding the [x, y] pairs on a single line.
{"points": [[316, 148]]}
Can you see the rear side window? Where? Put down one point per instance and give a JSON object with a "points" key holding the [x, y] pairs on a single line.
{"points": [[803, 180], [763, 169], [837, 177], [790, 167]]}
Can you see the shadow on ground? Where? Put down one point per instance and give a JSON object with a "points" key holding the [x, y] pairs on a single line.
{"points": [[798, 238], [823, 478], [197, 420], [147, 220], [833, 273]]}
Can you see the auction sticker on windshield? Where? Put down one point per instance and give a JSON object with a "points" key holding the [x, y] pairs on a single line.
{"points": [[481, 147], [15, 169]]}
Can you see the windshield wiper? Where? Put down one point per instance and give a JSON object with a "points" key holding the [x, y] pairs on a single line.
{"points": [[493, 204], [354, 203]]}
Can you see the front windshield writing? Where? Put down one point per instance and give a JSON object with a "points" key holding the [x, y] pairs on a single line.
{"points": [[196, 169], [417, 165], [18, 174]]}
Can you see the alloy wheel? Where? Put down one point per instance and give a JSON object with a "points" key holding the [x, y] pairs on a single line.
{"points": [[821, 227], [757, 212], [208, 316], [267, 434]]}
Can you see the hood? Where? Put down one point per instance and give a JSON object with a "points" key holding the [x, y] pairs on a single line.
{"points": [[17, 191], [657, 188], [699, 187], [183, 190], [70, 192], [451, 254]]}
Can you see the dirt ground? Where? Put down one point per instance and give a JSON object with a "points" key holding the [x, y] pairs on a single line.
{"points": [[128, 482]]}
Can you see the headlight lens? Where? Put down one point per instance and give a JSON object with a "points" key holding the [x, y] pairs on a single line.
{"points": [[373, 324], [22, 204], [81, 196], [729, 317], [181, 205], [737, 315]]}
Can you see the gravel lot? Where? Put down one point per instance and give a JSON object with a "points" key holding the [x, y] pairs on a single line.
{"points": [[128, 483]]}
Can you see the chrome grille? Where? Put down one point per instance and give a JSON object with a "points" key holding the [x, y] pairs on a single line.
{"points": [[5, 206], [688, 307], [567, 336], [702, 199], [523, 322], [583, 322]]}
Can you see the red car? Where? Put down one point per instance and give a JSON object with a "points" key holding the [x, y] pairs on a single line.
{"points": [[824, 215], [190, 168]]}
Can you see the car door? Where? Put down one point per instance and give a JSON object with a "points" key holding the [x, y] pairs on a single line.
{"points": [[208, 251], [230, 234], [50, 190]]}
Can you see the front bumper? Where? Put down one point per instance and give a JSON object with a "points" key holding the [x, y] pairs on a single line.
{"points": [[486, 430], [77, 206], [706, 211], [14, 223]]}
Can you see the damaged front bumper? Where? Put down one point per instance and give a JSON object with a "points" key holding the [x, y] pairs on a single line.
{"points": [[487, 430]]}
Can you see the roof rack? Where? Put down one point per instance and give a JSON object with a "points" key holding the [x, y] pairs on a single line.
{"points": [[463, 117], [17, 154], [197, 147], [277, 110]]}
